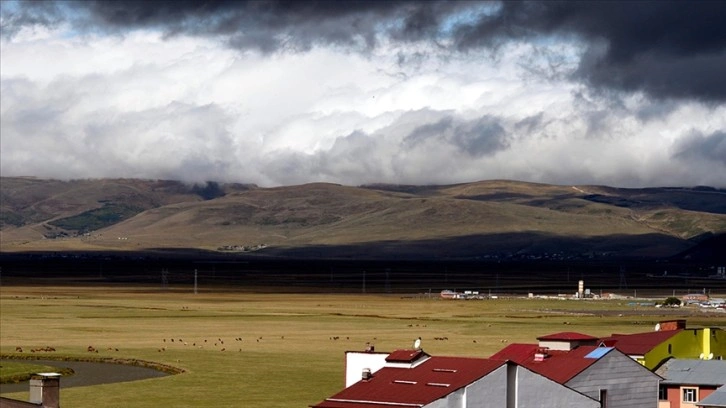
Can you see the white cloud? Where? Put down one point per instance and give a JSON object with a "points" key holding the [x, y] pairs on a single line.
{"points": [[142, 105]]}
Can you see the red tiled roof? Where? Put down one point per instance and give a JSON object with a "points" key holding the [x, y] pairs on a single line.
{"points": [[560, 366], [567, 336], [639, 343], [409, 387]]}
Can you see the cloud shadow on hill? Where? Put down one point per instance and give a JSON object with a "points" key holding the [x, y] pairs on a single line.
{"points": [[498, 247]]}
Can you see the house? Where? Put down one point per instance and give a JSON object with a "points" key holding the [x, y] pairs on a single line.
{"points": [[413, 378], [671, 339], [694, 298], [687, 382], [44, 393], [715, 400], [602, 373]]}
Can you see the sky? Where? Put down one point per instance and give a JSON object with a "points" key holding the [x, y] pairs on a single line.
{"points": [[626, 94]]}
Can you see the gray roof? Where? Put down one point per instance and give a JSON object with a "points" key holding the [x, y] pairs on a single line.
{"points": [[693, 372], [717, 399]]}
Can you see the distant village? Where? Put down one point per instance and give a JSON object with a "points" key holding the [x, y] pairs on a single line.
{"points": [[241, 248], [702, 300]]}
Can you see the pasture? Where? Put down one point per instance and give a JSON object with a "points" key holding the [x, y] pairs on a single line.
{"points": [[239, 347]]}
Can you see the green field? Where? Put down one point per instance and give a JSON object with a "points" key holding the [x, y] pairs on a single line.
{"points": [[287, 355]]}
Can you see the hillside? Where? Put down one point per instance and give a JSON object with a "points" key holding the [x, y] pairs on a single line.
{"points": [[488, 219]]}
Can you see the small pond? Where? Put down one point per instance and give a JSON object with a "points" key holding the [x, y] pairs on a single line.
{"points": [[89, 373]]}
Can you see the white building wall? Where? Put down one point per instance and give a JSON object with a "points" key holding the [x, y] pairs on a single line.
{"points": [[557, 344], [356, 361]]}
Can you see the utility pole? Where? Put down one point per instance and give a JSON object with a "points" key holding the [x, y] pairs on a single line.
{"points": [[164, 279], [388, 282]]}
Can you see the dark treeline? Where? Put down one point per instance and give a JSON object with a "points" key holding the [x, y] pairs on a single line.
{"points": [[178, 269]]}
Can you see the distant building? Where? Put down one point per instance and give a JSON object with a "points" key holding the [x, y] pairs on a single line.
{"points": [[449, 294], [694, 298]]}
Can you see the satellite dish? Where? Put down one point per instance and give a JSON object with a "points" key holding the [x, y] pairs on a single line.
{"points": [[710, 356], [417, 343], [701, 356], [657, 327]]}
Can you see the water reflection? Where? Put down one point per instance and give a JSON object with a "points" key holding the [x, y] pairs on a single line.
{"points": [[88, 373]]}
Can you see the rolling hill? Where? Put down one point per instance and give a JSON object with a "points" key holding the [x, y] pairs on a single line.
{"points": [[483, 220]]}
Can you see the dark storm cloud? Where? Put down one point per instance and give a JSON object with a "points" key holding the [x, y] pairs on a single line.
{"points": [[666, 49], [263, 25]]}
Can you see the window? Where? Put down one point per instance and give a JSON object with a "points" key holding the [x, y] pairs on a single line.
{"points": [[663, 393], [690, 394]]}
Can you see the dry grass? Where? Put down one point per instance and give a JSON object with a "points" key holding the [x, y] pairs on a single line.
{"points": [[287, 357], [325, 214]]}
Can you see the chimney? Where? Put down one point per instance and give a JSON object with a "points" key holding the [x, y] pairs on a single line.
{"points": [[541, 354], [45, 389], [672, 324], [366, 374]]}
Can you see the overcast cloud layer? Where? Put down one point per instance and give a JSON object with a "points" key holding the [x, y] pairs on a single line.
{"points": [[277, 93]]}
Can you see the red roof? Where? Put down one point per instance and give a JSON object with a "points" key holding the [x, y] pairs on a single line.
{"points": [[640, 343], [559, 365], [405, 356], [567, 336], [421, 385], [516, 352]]}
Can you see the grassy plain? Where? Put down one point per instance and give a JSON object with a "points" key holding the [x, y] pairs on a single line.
{"points": [[288, 355]]}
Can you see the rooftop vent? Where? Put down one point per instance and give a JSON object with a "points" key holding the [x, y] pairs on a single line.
{"points": [[366, 375], [541, 354], [438, 384]]}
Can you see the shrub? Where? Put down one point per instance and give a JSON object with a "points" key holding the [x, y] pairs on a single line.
{"points": [[672, 302]]}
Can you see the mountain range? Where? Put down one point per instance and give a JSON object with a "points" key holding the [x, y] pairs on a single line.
{"points": [[491, 220]]}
